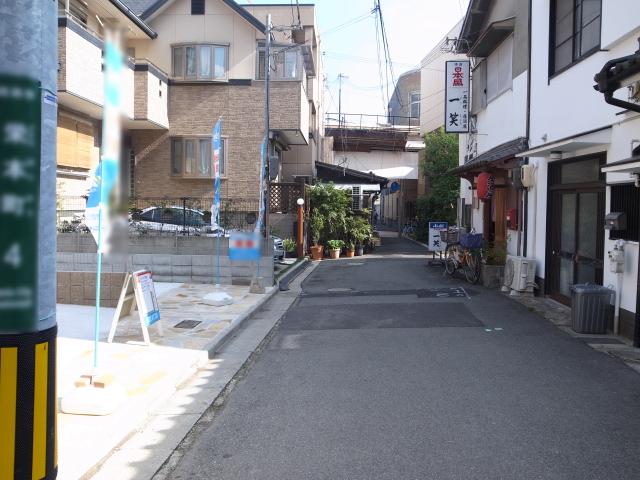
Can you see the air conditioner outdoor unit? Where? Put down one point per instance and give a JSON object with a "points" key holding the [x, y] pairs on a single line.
{"points": [[519, 275]]}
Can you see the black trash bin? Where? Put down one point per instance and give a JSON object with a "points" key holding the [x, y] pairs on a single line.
{"points": [[590, 308]]}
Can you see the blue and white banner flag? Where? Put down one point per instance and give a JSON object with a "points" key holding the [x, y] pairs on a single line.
{"points": [[216, 141], [106, 174]]}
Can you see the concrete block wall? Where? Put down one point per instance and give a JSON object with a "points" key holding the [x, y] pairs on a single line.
{"points": [[79, 288], [169, 258]]}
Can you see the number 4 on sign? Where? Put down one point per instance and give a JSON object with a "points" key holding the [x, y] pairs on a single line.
{"points": [[12, 256]]}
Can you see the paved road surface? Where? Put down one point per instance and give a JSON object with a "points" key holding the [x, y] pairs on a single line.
{"points": [[385, 369]]}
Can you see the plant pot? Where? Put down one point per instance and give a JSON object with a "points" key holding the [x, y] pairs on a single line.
{"points": [[359, 251], [491, 275], [317, 251], [350, 253], [334, 253]]}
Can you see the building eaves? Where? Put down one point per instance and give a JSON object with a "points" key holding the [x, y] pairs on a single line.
{"points": [[157, 4], [349, 174], [134, 17], [471, 27], [503, 151]]}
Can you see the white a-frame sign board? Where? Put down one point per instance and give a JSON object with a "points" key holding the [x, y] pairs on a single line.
{"points": [[138, 290]]}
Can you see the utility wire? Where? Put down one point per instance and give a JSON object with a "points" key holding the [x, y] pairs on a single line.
{"points": [[346, 24], [384, 103]]}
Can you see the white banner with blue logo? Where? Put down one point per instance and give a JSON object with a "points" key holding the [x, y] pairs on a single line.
{"points": [[106, 175], [216, 140]]}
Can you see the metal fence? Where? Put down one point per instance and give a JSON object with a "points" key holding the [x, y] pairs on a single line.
{"points": [[166, 215]]}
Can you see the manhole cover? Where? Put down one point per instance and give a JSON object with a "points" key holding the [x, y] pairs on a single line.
{"points": [[187, 324], [339, 289]]}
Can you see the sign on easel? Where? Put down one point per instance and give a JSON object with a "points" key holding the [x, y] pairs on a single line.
{"points": [[138, 290]]}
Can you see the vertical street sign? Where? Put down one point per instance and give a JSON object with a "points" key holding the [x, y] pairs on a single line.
{"points": [[20, 106], [457, 96]]}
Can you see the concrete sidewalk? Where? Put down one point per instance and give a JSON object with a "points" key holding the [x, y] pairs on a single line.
{"points": [[148, 374]]}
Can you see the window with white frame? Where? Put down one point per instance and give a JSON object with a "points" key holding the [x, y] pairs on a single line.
{"points": [[414, 104], [200, 62], [192, 157], [499, 69], [286, 64]]}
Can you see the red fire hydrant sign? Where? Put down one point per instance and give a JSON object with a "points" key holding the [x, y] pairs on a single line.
{"points": [[244, 246]]}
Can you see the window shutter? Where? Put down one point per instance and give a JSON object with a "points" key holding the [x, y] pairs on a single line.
{"points": [[478, 87]]}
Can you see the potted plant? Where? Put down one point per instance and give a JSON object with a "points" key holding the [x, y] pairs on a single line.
{"points": [[316, 223], [493, 266], [289, 246], [351, 248], [361, 232], [334, 248]]}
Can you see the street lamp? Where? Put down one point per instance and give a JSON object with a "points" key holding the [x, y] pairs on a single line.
{"points": [[300, 248]]}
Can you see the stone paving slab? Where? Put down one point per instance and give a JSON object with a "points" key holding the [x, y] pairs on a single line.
{"points": [[150, 375], [154, 445]]}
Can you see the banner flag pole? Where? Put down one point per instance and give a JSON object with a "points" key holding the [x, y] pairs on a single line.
{"points": [[106, 174]]}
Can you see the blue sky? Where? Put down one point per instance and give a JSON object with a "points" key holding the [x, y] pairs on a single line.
{"points": [[413, 28]]}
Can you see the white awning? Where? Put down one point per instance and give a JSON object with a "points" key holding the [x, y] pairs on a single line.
{"points": [[414, 145], [395, 173], [600, 137], [631, 165]]}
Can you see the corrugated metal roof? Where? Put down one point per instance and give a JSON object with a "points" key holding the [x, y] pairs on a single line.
{"points": [[503, 151]]}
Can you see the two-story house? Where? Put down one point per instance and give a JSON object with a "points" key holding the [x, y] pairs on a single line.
{"points": [[574, 137], [81, 91], [495, 37], [190, 63]]}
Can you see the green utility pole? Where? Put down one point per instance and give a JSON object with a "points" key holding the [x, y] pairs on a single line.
{"points": [[28, 110]]}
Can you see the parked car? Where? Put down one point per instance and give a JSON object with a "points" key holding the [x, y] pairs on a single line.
{"points": [[185, 221], [173, 219]]}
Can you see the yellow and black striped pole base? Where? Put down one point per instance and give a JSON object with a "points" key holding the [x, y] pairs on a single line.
{"points": [[28, 406]]}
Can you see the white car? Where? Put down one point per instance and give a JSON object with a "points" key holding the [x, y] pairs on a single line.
{"points": [[173, 219], [187, 221]]}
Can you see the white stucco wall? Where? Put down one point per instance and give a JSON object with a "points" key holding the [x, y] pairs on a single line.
{"points": [[220, 24], [504, 119], [567, 105], [379, 160]]}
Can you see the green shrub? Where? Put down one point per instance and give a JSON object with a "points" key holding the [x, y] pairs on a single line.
{"points": [[289, 245], [335, 244]]}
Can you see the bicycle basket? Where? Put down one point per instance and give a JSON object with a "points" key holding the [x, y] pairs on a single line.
{"points": [[471, 240], [448, 236]]}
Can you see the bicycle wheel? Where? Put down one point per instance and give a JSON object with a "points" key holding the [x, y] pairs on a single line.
{"points": [[472, 267], [449, 259]]}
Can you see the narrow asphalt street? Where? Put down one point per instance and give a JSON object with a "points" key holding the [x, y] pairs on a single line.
{"points": [[386, 369]]}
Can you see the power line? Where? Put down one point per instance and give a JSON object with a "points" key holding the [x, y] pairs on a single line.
{"points": [[346, 24], [387, 52], [384, 104]]}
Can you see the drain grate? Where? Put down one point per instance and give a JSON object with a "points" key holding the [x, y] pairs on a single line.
{"points": [[187, 324]]}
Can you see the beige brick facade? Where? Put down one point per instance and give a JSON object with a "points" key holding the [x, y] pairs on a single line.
{"points": [[140, 86], [193, 110]]}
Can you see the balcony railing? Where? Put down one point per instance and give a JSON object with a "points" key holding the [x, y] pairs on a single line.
{"points": [[367, 121]]}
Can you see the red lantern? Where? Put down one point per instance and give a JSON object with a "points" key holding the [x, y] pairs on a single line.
{"points": [[485, 183]]}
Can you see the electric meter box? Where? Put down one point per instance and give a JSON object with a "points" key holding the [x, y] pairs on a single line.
{"points": [[615, 221]]}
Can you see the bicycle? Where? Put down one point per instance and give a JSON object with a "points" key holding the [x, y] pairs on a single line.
{"points": [[464, 251]]}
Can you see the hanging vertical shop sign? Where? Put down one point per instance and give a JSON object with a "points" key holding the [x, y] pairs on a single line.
{"points": [[457, 90], [19, 193]]}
